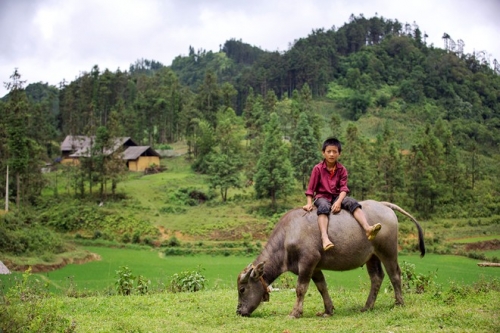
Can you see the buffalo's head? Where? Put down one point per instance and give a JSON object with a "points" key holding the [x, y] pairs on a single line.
{"points": [[252, 289]]}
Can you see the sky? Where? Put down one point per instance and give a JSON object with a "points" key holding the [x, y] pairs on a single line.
{"points": [[51, 40]]}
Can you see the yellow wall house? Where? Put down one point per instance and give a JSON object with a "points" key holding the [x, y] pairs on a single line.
{"points": [[138, 158], [141, 157]]}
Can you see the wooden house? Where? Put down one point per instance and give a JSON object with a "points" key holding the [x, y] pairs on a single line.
{"points": [[137, 158], [141, 157]]}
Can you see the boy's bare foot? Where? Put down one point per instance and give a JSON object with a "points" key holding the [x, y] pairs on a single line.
{"points": [[328, 247], [373, 231]]}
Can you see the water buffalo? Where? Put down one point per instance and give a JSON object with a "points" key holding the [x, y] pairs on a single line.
{"points": [[295, 246]]}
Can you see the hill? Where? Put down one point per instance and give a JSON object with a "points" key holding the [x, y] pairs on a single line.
{"points": [[420, 127]]}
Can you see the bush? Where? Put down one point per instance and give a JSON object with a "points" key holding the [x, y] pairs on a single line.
{"points": [[418, 283], [142, 285], [172, 242], [125, 281], [27, 307], [18, 239], [187, 281]]}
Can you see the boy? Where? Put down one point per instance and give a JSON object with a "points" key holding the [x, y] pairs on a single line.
{"points": [[328, 185]]}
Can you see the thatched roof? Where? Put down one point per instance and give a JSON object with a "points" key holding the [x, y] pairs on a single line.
{"points": [[81, 145], [133, 153], [75, 142]]}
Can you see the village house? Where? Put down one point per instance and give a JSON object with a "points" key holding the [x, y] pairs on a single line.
{"points": [[137, 158]]}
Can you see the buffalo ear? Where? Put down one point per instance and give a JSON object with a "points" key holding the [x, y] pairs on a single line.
{"points": [[258, 270], [247, 274]]}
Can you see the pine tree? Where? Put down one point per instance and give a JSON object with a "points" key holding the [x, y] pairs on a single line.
{"points": [[17, 141], [305, 150], [274, 175], [225, 162], [209, 98], [204, 145], [116, 167], [425, 170], [355, 156]]}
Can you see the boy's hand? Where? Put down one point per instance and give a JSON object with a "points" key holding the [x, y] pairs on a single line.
{"points": [[336, 207], [308, 207]]}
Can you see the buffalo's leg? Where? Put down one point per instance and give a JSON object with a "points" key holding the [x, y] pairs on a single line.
{"points": [[300, 291], [319, 281], [394, 271], [376, 273]]}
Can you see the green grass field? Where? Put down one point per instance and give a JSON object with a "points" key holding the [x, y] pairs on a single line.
{"points": [[458, 310], [221, 271]]}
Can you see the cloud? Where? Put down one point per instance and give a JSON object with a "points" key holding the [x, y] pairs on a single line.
{"points": [[51, 40]]}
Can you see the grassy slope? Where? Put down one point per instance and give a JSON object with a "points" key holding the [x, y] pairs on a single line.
{"points": [[214, 311]]}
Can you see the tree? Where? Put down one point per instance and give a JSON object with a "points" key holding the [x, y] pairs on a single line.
{"points": [[116, 167], [17, 140], [425, 171], [225, 162], [224, 173], [209, 97], [305, 150], [390, 167], [355, 156], [102, 145], [274, 175], [204, 145]]}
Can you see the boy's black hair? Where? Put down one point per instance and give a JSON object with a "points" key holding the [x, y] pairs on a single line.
{"points": [[332, 142]]}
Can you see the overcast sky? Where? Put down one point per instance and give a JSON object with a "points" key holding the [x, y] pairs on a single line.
{"points": [[52, 40]]}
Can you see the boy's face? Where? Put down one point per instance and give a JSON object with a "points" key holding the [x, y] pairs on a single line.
{"points": [[331, 154]]}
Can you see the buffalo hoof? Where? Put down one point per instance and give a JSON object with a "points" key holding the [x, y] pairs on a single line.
{"points": [[324, 314], [365, 309], [294, 315]]}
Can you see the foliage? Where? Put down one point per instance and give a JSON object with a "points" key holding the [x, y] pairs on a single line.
{"points": [[142, 285], [412, 281], [274, 173], [124, 281], [92, 220], [225, 162], [187, 281], [25, 308], [17, 239], [304, 151]]}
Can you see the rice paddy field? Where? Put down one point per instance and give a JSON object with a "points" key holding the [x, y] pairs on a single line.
{"points": [[221, 271]]}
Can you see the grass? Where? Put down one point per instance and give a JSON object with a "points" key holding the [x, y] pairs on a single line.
{"points": [[214, 311], [221, 271]]}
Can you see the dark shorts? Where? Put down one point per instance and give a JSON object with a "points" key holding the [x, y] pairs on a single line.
{"points": [[325, 206]]}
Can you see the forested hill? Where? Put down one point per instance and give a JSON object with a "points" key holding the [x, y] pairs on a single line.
{"points": [[408, 106], [378, 59]]}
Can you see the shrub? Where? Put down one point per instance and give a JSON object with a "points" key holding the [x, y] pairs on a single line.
{"points": [[142, 285], [187, 281], [26, 307], [136, 238], [125, 281], [18, 239], [172, 242], [415, 282]]}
